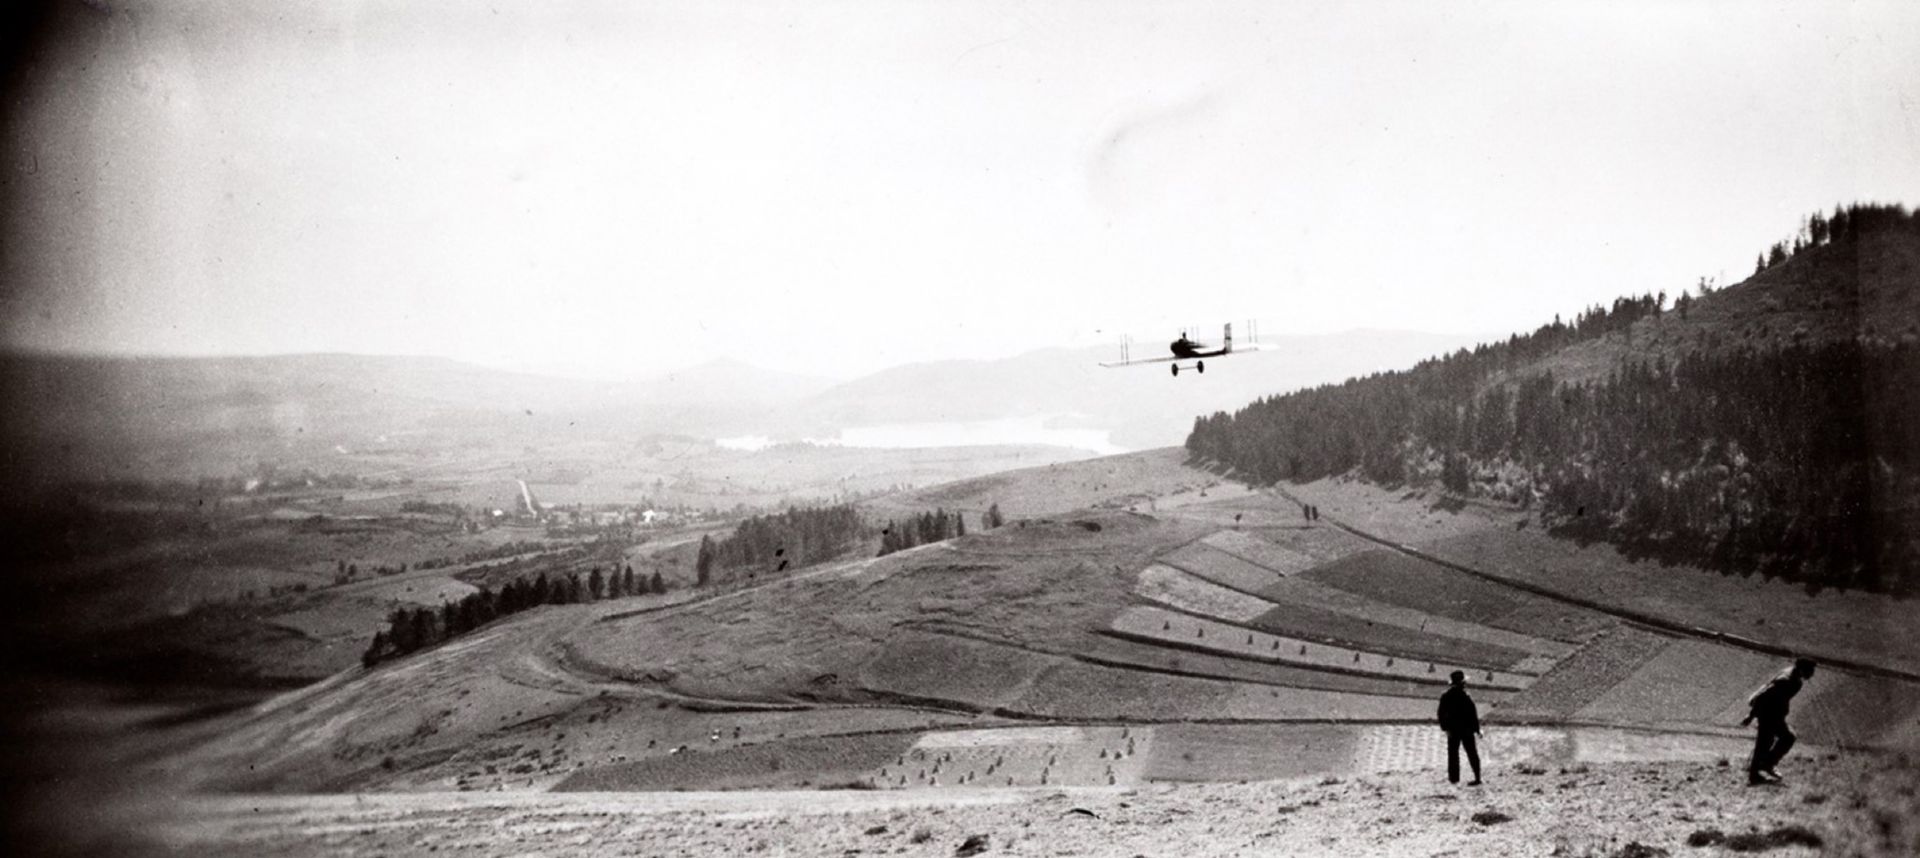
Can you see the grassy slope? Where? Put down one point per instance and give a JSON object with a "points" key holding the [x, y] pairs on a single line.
{"points": [[1854, 804]]}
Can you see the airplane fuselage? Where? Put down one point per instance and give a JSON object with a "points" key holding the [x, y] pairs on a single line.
{"points": [[1186, 349]]}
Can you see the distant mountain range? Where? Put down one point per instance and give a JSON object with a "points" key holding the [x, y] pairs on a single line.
{"points": [[100, 417], [1142, 406]]}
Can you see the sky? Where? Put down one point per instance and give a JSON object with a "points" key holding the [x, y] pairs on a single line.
{"points": [[625, 188]]}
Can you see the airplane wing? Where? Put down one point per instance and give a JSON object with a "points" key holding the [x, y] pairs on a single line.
{"points": [[1140, 362]]}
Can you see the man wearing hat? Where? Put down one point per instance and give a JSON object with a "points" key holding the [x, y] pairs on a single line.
{"points": [[1461, 721]]}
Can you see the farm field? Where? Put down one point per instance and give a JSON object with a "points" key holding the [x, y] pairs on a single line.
{"points": [[1168, 627], [1356, 630], [1305, 593], [1221, 568], [1396, 579], [1113, 651], [1277, 553], [1170, 586], [1582, 677], [1688, 681], [1854, 626]]}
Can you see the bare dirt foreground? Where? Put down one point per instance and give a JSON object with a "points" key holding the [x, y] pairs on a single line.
{"points": [[1841, 804]]}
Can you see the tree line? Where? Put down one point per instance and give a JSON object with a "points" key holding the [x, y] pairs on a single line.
{"points": [[410, 629], [925, 528], [1792, 460], [790, 539]]}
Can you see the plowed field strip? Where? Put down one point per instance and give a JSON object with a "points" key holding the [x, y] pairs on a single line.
{"points": [[1584, 676], [1359, 633], [1212, 564], [1076, 690], [1172, 627], [1363, 633], [1689, 680], [1299, 591], [1117, 651], [1277, 558]]}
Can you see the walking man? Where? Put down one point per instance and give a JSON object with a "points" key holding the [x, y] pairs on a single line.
{"points": [[1461, 721], [1768, 706]]}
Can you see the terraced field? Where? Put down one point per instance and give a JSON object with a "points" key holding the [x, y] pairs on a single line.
{"points": [[1689, 681], [1079, 691], [1276, 558], [1303, 592], [1170, 586], [1355, 630], [1582, 677], [1159, 625], [1219, 567], [1121, 652], [1396, 579]]}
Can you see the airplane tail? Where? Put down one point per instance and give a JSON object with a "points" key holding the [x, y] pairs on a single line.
{"points": [[1229, 337]]}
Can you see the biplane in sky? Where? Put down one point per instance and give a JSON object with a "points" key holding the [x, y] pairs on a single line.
{"points": [[1188, 349]]}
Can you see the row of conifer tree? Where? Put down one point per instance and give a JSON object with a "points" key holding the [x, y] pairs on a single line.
{"points": [[414, 628], [791, 539]]}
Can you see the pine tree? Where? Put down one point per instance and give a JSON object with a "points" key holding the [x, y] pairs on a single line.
{"points": [[375, 650], [596, 585], [703, 566], [424, 634], [659, 584]]}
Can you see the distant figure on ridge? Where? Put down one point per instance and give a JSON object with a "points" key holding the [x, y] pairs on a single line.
{"points": [[1461, 721], [1768, 706]]}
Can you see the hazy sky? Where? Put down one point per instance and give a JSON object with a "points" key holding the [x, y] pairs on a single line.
{"points": [[628, 187]]}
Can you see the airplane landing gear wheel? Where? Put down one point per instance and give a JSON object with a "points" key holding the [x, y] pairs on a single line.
{"points": [[1201, 366], [1176, 370]]}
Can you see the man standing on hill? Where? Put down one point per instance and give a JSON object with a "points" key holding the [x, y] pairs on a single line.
{"points": [[1768, 706], [1461, 721]]}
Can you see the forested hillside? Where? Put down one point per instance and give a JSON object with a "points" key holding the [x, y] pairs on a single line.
{"points": [[1767, 427]]}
